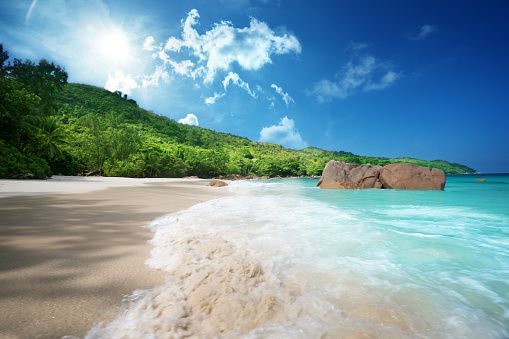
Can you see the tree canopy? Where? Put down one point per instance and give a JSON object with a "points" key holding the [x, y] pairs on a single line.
{"points": [[43, 79]]}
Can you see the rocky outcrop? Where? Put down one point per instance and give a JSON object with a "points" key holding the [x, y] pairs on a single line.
{"points": [[217, 183], [412, 177], [338, 174]]}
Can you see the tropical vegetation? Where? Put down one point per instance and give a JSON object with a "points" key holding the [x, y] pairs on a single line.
{"points": [[49, 126]]}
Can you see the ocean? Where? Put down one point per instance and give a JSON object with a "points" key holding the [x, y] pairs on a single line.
{"points": [[284, 259]]}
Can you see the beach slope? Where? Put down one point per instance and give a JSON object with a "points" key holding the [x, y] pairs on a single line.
{"points": [[71, 248]]}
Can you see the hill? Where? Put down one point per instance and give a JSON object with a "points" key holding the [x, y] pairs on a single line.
{"points": [[106, 133]]}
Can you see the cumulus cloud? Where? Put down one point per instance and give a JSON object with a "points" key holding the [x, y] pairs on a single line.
{"points": [[121, 82], [424, 32], [286, 97], [367, 74], [153, 80], [148, 44], [217, 49], [190, 119], [283, 134], [212, 100]]}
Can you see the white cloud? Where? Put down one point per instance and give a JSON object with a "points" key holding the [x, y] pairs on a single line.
{"points": [[286, 97], [161, 54], [236, 80], [212, 100], [250, 47], [148, 44], [29, 13], [424, 32], [190, 119], [386, 81], [355, 76], [153, 80], [283, 134], [120, 82], [173, 44], [183, 68]]}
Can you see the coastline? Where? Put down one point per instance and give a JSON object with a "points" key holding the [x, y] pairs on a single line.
{"points": [[71, 248]]}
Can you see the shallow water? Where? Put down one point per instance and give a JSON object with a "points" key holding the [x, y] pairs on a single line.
{"points": [[285, 259]]}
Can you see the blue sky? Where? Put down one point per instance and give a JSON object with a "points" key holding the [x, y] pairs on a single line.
{"points": [[422, 79]]}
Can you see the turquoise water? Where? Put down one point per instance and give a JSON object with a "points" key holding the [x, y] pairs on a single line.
{"points": [[282, 258]]}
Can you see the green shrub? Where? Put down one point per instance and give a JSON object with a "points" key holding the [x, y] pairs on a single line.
{"points": [[14, 164], [67, 164]]}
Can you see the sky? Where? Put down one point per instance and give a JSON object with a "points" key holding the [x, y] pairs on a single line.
{"points": [[421, 79]]}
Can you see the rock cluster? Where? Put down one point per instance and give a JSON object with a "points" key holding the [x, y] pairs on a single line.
{"points": [[338, 174]]}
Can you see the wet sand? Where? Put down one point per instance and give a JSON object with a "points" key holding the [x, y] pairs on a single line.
{"points": [[68, 259]]}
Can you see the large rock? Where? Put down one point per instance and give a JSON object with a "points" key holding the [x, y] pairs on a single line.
{"points": [[339, 174], [410, 176]]}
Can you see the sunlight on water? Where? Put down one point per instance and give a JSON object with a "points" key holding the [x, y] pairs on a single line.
{"points": [[284, 259]]}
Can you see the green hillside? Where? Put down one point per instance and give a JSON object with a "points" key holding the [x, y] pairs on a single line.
{"points": [[76, 129], [112, 135]]}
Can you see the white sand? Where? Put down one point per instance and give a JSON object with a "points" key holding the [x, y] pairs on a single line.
{"points": [[71, 248], [74, 185]]}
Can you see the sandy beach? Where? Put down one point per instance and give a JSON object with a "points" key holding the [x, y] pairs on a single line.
{"points": [[72, 248]]}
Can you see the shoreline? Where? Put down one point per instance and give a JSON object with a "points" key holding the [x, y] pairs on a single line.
{"points": [[72, 248]]}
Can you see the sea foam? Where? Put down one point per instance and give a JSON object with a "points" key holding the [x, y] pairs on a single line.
{"points": [[281, 259]]}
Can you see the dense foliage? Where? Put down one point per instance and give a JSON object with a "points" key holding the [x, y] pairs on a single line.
{"points": [[79, 129], [30, 134]]}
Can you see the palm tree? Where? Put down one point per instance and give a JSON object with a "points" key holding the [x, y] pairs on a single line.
{"points": [[50, 137], [150, 165]]}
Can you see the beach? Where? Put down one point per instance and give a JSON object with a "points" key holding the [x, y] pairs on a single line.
{"points": [[267, 259], [72, 248]]}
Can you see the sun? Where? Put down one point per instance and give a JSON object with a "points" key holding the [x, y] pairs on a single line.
{"points": [[114, 45]]}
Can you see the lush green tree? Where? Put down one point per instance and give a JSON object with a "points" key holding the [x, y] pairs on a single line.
{"points": [[49, 139], [93, 142], [103, 143], [27, 92], [17, 113], [14, 164], [205, 163], [44, 79], [171, 165], [4, 56], [66, 164], [124, 140]]}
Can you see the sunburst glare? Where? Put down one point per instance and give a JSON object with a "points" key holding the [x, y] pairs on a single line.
{"points": [[114, 45]]}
